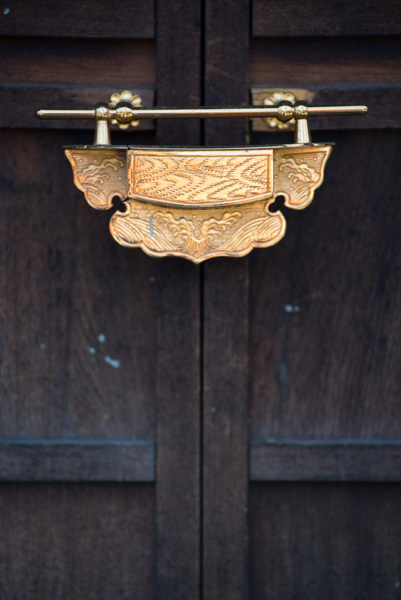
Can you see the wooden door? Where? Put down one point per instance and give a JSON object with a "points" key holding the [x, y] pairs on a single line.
{"points": [[100, 367], [223, 431], [301, 340]]}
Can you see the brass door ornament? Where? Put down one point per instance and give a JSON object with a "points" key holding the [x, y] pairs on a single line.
{"points": [[198, 203]]}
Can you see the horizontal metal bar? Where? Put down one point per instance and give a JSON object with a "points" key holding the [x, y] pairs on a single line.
{"points": [[66, 113], [200, 113]]}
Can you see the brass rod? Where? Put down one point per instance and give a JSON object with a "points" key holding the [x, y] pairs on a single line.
{"points": [[199, 113], [66, 113]]}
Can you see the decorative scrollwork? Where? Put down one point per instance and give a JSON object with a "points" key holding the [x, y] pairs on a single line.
{"points": [[298, 172], [100, 174], [199, 235], [199, 204]]}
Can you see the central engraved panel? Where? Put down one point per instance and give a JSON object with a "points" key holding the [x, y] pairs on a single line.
{"points": [[200, 177]]}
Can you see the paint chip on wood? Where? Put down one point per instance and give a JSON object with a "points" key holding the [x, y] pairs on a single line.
{"points": [[291, 308], [113, 362]]}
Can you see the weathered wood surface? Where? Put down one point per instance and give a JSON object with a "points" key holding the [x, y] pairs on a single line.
{"points": [[43, 460], [178, 332], [84, 62], [324, 328], [78, 18], [325, 461], [351, 61], [225, 337], [322, 541], [79, 345], [84, 541], [324, 331], [320, 18]]}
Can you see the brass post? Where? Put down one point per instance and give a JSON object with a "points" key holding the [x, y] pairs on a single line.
{"points": [[302, 133], [102, 131]]}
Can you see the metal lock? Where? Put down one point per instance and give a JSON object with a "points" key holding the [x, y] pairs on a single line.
{"points": [[198, 203]]}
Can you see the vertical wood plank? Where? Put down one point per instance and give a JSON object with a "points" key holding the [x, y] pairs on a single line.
{"points": [[225, 314], [178, 374], [82, 541]]}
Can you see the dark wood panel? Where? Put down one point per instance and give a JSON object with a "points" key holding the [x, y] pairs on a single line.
{"points": [[321, 541], [352, 61], [59, 96], [225, 337], [381, 101], [63, 541], [178, 432], [78, 18], [78, 328], [325, 461], [64, 61], [179, 77], [325, 325], [225, 468], [317, 17], [178, 330], [43, 460]]}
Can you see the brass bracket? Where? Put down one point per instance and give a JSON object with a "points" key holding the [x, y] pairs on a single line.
{"points": [[198, 203], [273, 97]]}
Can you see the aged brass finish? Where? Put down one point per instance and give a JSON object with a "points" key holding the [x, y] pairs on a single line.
{"points": [[274, 96], [198, 203], [133, 99], [127, 114], [102, 131]]}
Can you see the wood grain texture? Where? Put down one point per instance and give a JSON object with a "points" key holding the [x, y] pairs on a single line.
{"points": [[78, 351], [322, 541], [368, 61], [178, 331], [78, 18], [325, 325], [86, 541], [317, 17], [179, 77], [74, 461], [86, 62], [325, 461], [225, 460], [225, 337]]}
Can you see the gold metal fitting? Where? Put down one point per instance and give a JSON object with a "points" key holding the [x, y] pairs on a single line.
{"points": [[102, 130], [285, 112], [274, 99], [124, 113], [197, 203]]}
